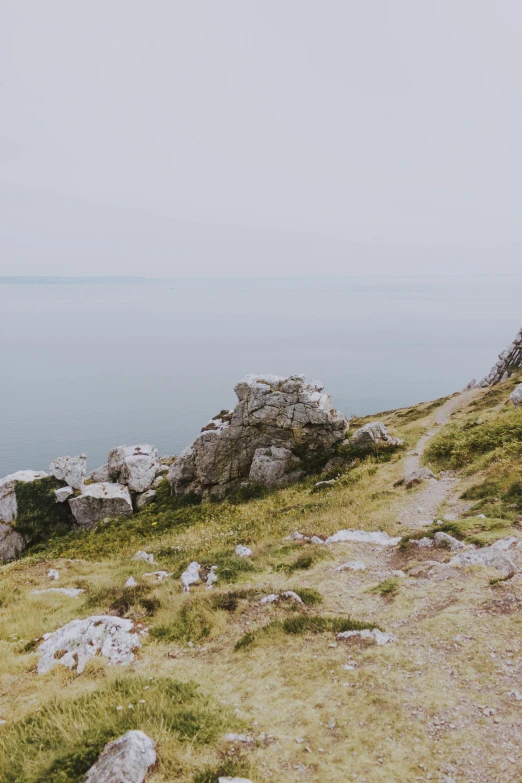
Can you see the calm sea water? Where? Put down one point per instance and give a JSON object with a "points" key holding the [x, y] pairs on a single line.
{"points": [[85, 367]]}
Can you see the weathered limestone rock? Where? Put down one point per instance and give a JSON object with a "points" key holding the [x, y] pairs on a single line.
{"points": [[516, 395], [509, 361], [11, 543], [78, 641], [191, 576], [274, 467], [131, 582], [70, 469], [99, 474], [289, 595], [71, 592], [354, 565], [98, 501], [374, 433], [243, 551], [364, 536], [8, 508], [448, 542], [125, 760], [376, 636], [147, 557], [272, 412], [134, 465], [145, 498], [487, 556], [63, 493]]}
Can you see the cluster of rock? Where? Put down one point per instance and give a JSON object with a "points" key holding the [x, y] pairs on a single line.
{"points": [[509, 361], [126, 483], [262, 440]]}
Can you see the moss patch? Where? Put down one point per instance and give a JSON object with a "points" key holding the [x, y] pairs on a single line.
{"points": [[39, 516]]}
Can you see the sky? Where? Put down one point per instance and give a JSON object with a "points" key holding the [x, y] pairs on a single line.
{"points": [[275, 137]]}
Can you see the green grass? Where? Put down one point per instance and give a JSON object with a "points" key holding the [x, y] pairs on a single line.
{"points": [[125, 601], [388, 588], [199, 618], [61, 741], [471, 530], [459, 445], [39, 516], [301, 624]]}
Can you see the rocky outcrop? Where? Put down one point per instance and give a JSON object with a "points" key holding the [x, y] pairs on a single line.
{"points": [[99, 474], [8, 507], [134, 466], [516, 395], [125, 760], [288, 414], [99, 501], [11, 543], [78, 641], [372, 434], [274, 467], [70, 469], [509, 361]]}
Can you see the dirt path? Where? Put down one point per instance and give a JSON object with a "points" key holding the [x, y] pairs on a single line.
{"points": [[425, 503]]}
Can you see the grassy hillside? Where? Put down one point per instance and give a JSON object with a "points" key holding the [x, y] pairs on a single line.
{"points": [[218, 661]]}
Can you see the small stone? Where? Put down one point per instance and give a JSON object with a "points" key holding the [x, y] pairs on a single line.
{"points": [[353, 565], [53, 574], [147, 557], [191, 576], [299, 740], [131, 582], [243, 551], [63, 493]]}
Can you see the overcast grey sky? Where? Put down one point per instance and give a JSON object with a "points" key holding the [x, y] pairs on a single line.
{"points": [[308, 125]]}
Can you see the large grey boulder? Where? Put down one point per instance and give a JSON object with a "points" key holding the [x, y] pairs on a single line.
{"points": [[11, 543], [516, 395], [8, 507], [272, 412], [98, 501], [274, 467], [70, 469], [74, 644], [124, 760], [489, 556], [134, 466], [374, 433]]}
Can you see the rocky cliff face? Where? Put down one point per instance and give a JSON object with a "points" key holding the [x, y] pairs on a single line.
{"points": [[274, 422], [509, 361]]}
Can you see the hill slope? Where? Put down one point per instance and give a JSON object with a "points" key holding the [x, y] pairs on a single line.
{"points": [[441, 702]]}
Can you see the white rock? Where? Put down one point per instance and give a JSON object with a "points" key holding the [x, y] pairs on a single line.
{"points": [[72, 592], [157, 482], [70, 469], [53, 574], [63, 493], [134, 466], [425, 543], [487, 556], [274, 466], [159, 575], [78, 641], [8, 508], [374, 433], [316, 540], [243, 739], [243, 551], [125, 760], [145, 498], [100, 474], [516, 395], [11, 543], [234, 780], [504, 543], [211, 577], [147, 557], [288, 594], [99, 501], [516, 695], [131, 582], [354, 565], [364, 536], [448, 542], [190, 576], [375, 635]]}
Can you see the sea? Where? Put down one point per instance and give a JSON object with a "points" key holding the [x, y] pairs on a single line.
{"points": [[89, 364]]}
